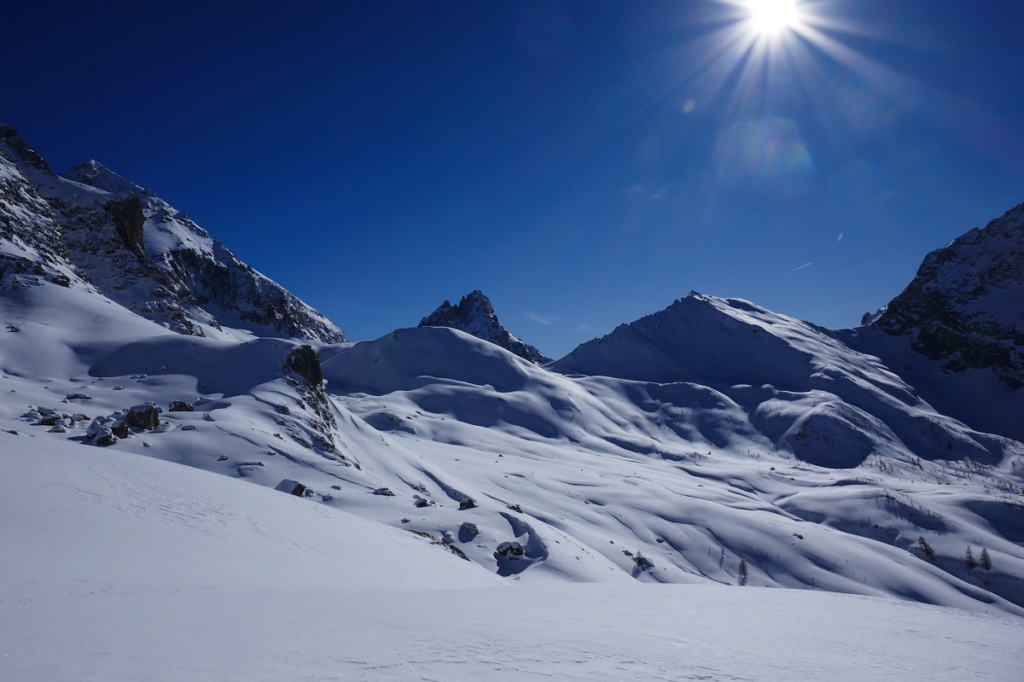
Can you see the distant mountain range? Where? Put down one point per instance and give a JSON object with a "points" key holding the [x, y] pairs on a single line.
{"points": [[707, 436]]}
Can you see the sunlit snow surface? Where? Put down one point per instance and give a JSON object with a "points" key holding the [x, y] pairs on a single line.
{"points": [[820, 477], [119, 567]]}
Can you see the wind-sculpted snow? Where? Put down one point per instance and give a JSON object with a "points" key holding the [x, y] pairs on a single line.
{"points": [[593, 478], [131, 569], [804, 389]]}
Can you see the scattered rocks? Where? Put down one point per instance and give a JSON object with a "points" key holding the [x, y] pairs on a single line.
{"points": [[78, 396], [386, 492], [467, 503], [181, 406]]}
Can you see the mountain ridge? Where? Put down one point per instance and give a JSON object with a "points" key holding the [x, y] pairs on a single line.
{"points": [[142, 253], [711, 442]]}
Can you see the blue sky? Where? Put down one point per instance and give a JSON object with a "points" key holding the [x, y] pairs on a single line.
{"points": [[582, 162]]}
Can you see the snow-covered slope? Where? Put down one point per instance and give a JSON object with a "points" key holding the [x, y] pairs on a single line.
{"points": [[139, 251], [475, 315], [131, 569], [956, 333]]}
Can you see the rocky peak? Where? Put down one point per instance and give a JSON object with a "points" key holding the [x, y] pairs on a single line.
{"points": [[133, 247], [475, 315], [95, 174], [14, 147], [965, 306]]}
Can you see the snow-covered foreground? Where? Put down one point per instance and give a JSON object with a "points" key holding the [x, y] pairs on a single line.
{"points": [[119, 567]]}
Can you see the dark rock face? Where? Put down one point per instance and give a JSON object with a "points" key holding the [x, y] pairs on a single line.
{"points": [[965, 306], [305, 362], [120, 429], [31, 243], [181, 406], [145, 417], [128, 218], [475, 315], [13, 140]]}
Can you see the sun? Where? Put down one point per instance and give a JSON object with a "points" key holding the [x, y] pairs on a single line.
{"points": [[772, 17]]}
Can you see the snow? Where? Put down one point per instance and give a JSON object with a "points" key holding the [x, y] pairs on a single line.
{"points": [[129, 568]]}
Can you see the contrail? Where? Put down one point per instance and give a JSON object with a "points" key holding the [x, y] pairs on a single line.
{"points": [[801, 267]]}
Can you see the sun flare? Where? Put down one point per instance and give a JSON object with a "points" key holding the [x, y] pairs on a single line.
{"points": [[771, 17]]}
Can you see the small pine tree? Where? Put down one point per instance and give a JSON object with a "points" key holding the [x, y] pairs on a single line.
{"points": [[986, 561], [926, 548], [969, 559], [742, 572]]}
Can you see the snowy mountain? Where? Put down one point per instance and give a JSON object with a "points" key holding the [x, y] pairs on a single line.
{"points": [[711, 444], [957, 331], [475, 315], [94, 226]]}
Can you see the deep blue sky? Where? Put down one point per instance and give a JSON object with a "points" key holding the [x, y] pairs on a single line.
{"points": [[582, 162]]}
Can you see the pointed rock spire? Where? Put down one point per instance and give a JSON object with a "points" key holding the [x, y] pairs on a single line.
{"points": [[475, 315]]}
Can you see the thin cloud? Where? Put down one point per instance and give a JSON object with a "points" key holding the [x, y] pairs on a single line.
{"points": [[840, 237], [540, 319]]}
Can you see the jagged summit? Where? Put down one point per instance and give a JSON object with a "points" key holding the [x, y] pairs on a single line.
{"points": [[965, 306], [95, 174], [475, 315], [14, 147], [96, 227]]}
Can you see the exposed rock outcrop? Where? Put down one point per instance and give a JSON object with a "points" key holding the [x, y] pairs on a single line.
{"points": [[475, 315], [305, 362], [128, 218], [965, 306]]}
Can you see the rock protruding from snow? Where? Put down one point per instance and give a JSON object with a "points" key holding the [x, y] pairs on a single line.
{"points": [[128, 218], [475, 315], [965, 306], [305, 362]]}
